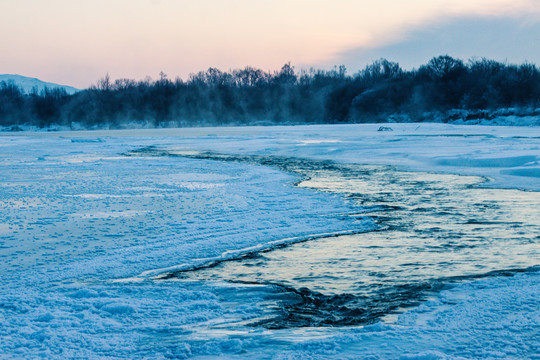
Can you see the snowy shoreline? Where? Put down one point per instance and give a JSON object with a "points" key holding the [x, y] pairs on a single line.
{"points": [[508, 155], [79, 215]]}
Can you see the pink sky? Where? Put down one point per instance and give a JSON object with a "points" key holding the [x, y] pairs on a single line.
{"points": [[76, 42]]}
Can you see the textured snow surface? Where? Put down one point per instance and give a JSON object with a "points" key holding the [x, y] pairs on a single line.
{"points": [[84, 227], [493, 318], [507, 155]]}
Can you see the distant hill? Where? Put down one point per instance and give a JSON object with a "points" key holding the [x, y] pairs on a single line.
{"points": [[28, 83]]}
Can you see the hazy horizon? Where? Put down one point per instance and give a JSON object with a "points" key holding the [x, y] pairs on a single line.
{"points": [[76, 43]]}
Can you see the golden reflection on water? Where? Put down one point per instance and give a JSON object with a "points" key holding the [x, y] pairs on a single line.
{"points": [[438, 226]]}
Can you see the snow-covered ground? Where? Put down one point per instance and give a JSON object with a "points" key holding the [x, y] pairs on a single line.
{"points": [[85, 229]]}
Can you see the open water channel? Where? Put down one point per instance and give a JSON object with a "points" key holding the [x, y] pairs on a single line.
{"points": [[433, 230]]}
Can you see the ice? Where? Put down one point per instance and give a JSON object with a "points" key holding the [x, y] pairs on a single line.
{"points": [[85, 230], [494, 318], [494, 162]]}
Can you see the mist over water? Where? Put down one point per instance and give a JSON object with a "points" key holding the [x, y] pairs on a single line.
{"points": [[434, 230]]}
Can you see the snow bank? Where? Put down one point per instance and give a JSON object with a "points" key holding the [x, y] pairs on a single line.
{"points": [[77, 217]]}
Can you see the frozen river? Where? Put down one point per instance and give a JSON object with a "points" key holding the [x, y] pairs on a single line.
{"points": [[433, 231], [271, 243]]}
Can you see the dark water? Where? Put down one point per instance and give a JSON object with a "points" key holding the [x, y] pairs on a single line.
{"points": [[435, 230]]}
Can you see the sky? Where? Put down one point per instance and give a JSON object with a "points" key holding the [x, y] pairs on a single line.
{"points": [[74, 42]]}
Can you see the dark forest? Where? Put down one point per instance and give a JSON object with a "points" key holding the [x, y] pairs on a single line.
{"points": [[381, 92]]}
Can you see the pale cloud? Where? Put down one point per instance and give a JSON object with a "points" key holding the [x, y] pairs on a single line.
{"points": [[76, 42], [499, 38]]}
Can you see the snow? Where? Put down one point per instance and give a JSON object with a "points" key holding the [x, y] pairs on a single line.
{"points": [[507, 155], [493, 318], [28, 84], [86, 229]]}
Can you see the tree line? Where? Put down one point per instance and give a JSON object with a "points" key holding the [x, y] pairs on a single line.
{"points": [[250, 96]]}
